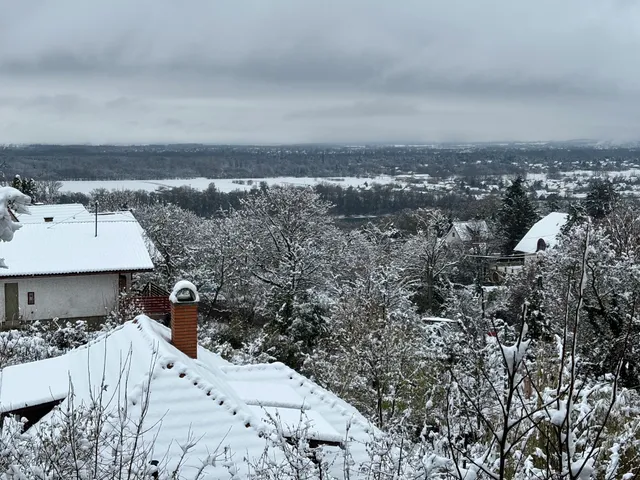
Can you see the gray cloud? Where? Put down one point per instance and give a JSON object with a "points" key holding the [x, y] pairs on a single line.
{"points": [[387, 108], [256, 71]]}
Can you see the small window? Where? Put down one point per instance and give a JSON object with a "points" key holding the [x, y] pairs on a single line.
{"points": [[31, 298], [48, 219], [541, 246]]}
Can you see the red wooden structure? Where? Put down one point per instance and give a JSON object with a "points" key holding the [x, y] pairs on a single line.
{"points": [[152, 300]]}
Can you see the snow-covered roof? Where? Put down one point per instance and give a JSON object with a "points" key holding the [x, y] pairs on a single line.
{"points": [[72, 247], [222, 405], [546, 229], [70, 213], [471, 230]]}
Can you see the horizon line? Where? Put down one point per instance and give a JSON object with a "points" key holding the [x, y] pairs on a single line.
{"points": [[398, 144]]}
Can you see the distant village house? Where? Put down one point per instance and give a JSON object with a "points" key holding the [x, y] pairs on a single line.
{"points": [[543, 235], [470, 233]]}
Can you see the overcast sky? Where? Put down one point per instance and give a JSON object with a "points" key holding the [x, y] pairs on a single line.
{"points": [[283, 71]]}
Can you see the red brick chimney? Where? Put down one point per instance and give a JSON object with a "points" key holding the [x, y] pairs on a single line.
{"points": [[184, 318]]}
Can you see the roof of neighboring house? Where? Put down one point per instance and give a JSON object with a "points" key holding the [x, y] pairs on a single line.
{"points": [[70, 247], [546, 229], [471, 230], [70, 213], [219, 404]]}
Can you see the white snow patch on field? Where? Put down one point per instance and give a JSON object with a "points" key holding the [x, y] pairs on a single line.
{"points": [[222, 184], [566, 183]]}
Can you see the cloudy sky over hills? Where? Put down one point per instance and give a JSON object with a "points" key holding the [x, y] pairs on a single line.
{"points": [[274, 71]]}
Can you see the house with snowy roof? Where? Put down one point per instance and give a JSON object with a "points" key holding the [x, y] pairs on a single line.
{"points": [[470, 233], [542, 235], [66, 262], [173, 391]]}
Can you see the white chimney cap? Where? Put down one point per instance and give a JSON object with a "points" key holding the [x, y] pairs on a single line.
{"points": [[184, 292]]}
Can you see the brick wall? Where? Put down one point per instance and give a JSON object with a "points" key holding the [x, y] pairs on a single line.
{"points": [[184, 328]]}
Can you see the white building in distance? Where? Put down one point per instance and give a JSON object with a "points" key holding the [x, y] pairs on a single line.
{"points": [[471, 233]]}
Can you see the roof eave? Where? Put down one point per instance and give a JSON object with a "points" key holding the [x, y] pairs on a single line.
{"points": [[88, 272]]}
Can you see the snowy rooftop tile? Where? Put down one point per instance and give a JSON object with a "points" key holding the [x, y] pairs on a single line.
{"points": [[72, 247], [69, 213], [546, 229], [224, 406], [471, 230], [267, 394], [24, 387], [295, 420]]}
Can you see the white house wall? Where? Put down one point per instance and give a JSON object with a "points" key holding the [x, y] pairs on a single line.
{"points": [[452, 237], [76, 296]]}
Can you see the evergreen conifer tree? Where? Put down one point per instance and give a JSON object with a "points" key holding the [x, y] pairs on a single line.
{"points": [[577, 215], [516, 216], [25, 185], [601, 199]]}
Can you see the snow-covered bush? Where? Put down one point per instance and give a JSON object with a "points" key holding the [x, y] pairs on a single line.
{"points": [[19, 346], [62, 335]]}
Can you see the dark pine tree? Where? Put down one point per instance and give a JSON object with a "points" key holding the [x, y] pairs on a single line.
{"points": [[577, 215], [25, 185], [516, 215], [601, 199]]}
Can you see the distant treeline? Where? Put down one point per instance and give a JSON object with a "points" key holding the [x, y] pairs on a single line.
{"points": [[377, 200], [55, 162]]}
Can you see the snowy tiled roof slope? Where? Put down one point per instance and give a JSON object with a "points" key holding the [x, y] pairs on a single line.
{"points": [[72, 247], [208, 398], [546, 229], [70, 213], [471, 230]]}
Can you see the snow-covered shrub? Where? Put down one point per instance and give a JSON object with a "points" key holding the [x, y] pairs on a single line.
{"points": [[19, 346], [63, 335], [234, 341]]}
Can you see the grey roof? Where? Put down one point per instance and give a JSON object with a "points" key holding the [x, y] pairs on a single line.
{"points": [[471, 230]]}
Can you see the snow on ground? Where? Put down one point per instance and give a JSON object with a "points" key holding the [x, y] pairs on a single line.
{"points": [[565, 183], [222, 184]]}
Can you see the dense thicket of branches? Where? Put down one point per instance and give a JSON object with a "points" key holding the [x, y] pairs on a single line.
{"points": [[350, 202]]}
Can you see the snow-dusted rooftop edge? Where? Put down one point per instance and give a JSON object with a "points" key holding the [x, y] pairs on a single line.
{"points": [[220, 404], [69, 213], [66, 243], [546, 229]]}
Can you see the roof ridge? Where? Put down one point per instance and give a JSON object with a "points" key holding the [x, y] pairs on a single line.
{"points": [[97, 339], [327, 397], [220, 396], [330, 399]]}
